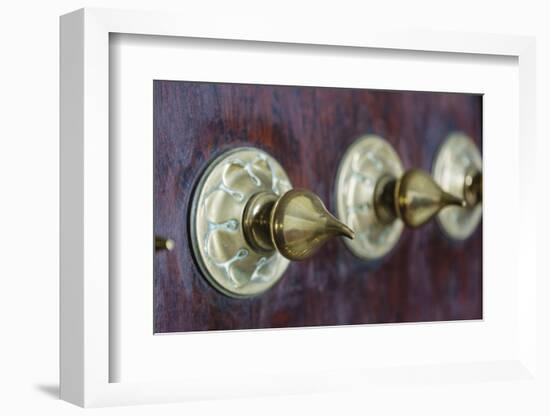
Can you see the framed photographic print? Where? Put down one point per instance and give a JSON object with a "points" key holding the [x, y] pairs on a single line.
{"points": [[274, 213]]}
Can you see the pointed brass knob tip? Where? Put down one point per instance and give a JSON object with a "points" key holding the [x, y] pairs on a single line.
{"points": [[414, 198], [296, 224], [301, 224], [419, 198]]}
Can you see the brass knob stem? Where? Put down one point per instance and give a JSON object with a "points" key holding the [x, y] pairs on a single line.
{"points": [[473, 186], [256, 221], [384, 199], [296, 224], [414, 198]]}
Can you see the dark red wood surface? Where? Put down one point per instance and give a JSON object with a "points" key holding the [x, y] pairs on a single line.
{"points": [[426, 278]]}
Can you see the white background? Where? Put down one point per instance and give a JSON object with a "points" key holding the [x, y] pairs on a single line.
{"points": [[29, 209]]}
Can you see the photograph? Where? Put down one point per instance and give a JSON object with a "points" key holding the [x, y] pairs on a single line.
{"points": [[294, 206]]}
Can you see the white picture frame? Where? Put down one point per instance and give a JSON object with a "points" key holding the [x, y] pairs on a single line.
{"points": [[86, 355]]}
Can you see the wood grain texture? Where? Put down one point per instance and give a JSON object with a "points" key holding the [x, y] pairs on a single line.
{"points": [[426, 278]]}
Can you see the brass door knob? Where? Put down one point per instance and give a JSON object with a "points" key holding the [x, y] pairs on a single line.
{"points": [[377, 198], [247, 222], [162, 243], [458, 169], [414, 198], [295, 224]]}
